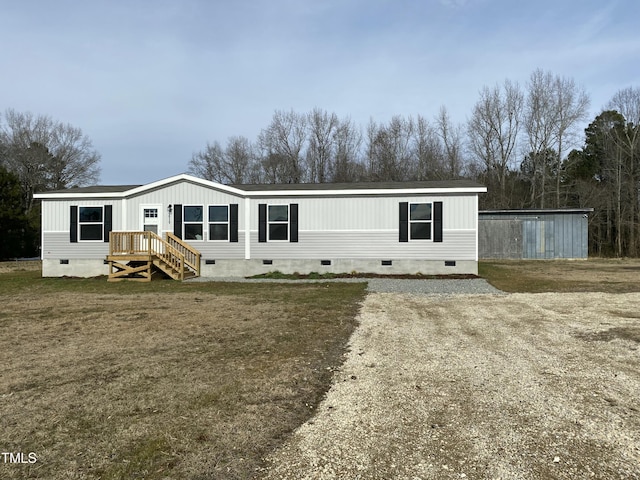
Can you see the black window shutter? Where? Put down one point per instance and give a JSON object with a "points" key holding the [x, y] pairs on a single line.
{"points": [[437, 221], [404, 221], [293, 222], [233, 222], [73, 226], [177, 220], [262, 222], [108, 222]]}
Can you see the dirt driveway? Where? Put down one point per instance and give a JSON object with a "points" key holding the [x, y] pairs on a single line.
{"points": [[519, 386]]}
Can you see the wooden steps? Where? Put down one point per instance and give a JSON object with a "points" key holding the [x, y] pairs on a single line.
{"points": [[137, 256]]}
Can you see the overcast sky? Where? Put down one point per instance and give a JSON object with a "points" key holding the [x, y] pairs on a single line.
{"points": [[151, 82]]}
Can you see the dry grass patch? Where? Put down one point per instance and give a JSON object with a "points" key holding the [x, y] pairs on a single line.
{"points": [[163, 380], [22, 265], [538, 276]]}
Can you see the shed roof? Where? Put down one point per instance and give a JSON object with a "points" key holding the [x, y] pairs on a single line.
{"points": [[536, 211]]}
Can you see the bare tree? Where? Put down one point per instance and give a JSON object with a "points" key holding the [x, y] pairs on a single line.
{"points": [[239, 158], [46, 154], [233, 165], [555, 108], [321, 150], [281, 144], [428, 152], [451, 136], [209, 164], [572, 104], [389, 149], [348, 141], [627, 103], [540, 124], [493, 133]]}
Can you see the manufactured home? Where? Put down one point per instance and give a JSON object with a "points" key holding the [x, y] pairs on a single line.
{"points": [[188, 226]]}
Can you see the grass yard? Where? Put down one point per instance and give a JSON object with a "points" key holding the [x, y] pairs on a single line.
{"points": [[605, 275], [195, 381], [161, 380]]}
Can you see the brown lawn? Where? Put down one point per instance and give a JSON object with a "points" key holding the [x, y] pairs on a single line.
{"points": [[161, 380]]}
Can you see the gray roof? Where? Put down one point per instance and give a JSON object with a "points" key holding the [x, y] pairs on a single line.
{"points": [[295, 186], [359, 185], [535, 211], [97, 189]]}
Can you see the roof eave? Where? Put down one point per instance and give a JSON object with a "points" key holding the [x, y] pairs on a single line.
{"points": [[66, 196], [263, 193], [364, 192], [141, 189], [536, 211]]}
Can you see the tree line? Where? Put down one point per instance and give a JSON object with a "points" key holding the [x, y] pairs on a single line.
{"points": [[527, 144], [37, 154]]}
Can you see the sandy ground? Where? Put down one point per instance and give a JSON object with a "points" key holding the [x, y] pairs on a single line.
{"points": [[520, 386]]}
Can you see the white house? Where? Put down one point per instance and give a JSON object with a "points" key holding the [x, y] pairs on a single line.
{"points": [[205, 228]]}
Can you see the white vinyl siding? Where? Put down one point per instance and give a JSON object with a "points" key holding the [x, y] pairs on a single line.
{"points": [[56, 213], [184, 193], [369, 213], [57, 245], [221, 250], [342, 227], [375, 244]]}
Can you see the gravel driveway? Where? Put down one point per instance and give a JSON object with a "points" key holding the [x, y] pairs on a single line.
{"points": [[484, 386], [430, 286]]}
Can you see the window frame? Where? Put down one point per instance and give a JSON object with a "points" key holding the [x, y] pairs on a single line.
{"points": [[83, 223], [429, 222], [186, 222], [287, 223], [227, 223]]}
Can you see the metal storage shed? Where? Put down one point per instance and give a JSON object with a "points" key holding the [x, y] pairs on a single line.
{"points": [[533, 234]]}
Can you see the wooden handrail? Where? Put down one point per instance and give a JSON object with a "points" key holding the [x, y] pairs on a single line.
{"points": [[176, 254], [129, 243], [191, 255]]}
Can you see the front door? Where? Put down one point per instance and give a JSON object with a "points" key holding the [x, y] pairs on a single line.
{"points": [[151, 219]]}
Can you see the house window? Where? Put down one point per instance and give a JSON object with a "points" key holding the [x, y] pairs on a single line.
{"points": [[219, 222], [150, 213], [420, 221], [193, 222], [91, 223], [278, 222]]}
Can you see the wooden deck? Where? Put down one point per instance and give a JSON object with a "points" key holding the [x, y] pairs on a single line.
{"points": [[138, 255]]}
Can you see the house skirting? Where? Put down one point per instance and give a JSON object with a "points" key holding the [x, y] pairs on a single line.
{"points": [[74, 267], [245, 268]]}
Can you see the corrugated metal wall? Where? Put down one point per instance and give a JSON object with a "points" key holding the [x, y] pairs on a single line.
{"points": [[519, 235]]}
